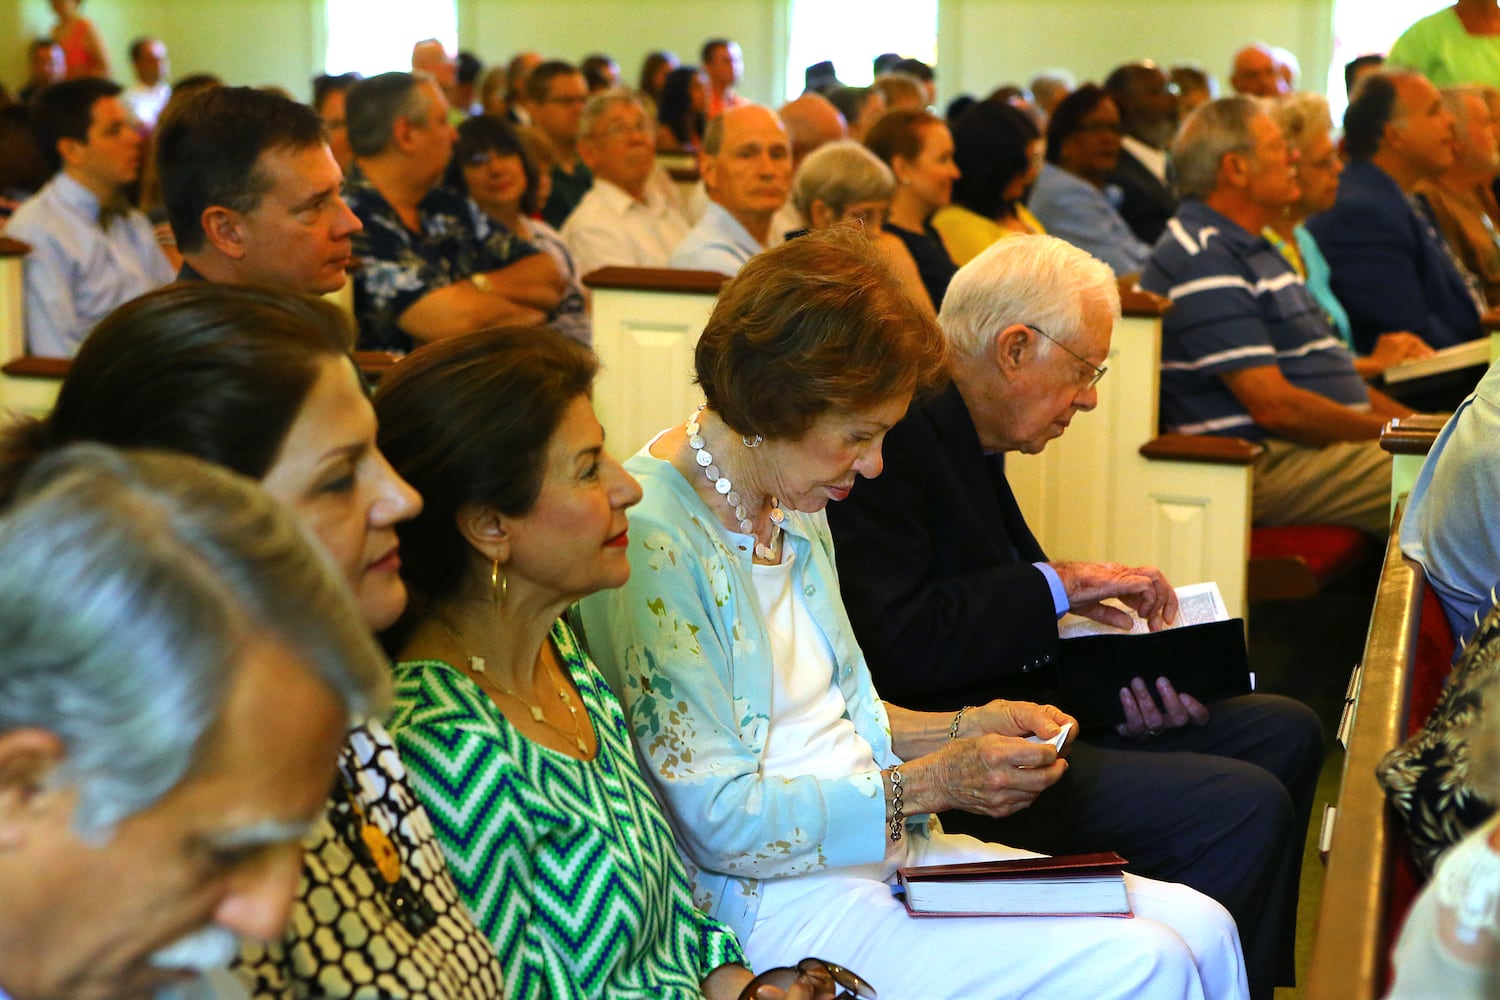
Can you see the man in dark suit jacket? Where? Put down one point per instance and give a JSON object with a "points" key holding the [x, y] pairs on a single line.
{"points": [[1391, 268], [1148, 114], [955, 603]]}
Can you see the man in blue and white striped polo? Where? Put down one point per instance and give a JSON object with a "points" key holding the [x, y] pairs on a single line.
{"points": [[1246, 352]]}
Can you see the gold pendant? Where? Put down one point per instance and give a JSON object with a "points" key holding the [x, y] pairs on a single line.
{"points": [[382, 851]]}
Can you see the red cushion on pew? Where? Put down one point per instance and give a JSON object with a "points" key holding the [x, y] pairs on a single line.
{"points": [[1432, 664], [1326, 548]]}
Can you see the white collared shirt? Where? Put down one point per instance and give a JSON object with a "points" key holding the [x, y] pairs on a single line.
{"points": [[609, 228], [1153, 159]]}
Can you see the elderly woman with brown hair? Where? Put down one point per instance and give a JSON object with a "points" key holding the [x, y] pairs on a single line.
{"points": [[796, 792]]}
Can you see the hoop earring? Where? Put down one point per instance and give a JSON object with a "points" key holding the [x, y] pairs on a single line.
{"points": [[499, 584], [751, 440]]}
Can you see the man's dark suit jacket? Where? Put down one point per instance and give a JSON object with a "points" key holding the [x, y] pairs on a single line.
{"points": [[1148, 204], [943, 597], [1390, 268]]}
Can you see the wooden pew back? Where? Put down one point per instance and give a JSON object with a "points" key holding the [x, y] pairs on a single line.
{"points": [[646, 327]]}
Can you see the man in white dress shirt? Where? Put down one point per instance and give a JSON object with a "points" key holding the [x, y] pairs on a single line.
{"points": [[149, 94], [623, 221]]}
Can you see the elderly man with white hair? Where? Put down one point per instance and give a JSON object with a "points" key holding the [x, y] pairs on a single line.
{"points": [[955, 603], [624, 220], [178, 668]]}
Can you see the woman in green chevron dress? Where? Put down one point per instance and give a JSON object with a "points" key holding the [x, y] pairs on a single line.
{"points": [[513, 740]]}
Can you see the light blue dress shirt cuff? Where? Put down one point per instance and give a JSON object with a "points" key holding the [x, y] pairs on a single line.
{"points": [[1060, 601]]}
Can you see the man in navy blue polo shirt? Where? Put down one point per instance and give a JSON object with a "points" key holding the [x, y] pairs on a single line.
{"points": [[1246, 352]]}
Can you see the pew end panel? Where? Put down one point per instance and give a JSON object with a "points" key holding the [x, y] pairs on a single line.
{"points": [[646, 327], [1198, 495]]}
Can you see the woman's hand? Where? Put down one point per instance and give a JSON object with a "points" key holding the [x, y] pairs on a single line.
{"points": [[992, 775], [1019, 718]]}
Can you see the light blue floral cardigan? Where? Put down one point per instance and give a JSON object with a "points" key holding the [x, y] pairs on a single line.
{"points": [[685, 648]]}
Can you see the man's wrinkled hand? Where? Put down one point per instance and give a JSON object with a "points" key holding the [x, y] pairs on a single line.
{"points": [[1143, 589], [1147, 716]]}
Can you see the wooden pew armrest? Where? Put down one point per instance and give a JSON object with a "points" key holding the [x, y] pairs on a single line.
{"points": [[1353, 935], [28, 366], [657, 279], [1207, 448], [1413, 435]]}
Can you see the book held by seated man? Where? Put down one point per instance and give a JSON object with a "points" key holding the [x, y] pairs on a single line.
{"points": [[1202, 653], [1075, 885]]}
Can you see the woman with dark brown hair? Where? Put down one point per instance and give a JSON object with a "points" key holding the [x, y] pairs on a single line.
{"points": [[492, 165], [262, 382], [998, 148], [513, 738], [797, 793], [918, 148]]}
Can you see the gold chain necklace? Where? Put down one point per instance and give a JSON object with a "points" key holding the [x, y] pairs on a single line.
{"points": [[477, 666]]}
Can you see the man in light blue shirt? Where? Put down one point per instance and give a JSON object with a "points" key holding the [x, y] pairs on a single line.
{"points": [[90, 251], [746, 165]]}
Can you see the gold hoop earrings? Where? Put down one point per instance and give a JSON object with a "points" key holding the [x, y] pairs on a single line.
{"points": [[499, 584]]}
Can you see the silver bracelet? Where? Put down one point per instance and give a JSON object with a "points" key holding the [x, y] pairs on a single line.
{"points": [[957, 717], [898, 814]]}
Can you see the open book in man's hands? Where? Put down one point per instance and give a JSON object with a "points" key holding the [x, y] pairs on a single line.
{"points": [[1202, 653], [1196, 603], [1066, 885]]}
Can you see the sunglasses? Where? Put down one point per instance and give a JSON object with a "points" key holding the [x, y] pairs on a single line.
{"points": [[828, 977]]}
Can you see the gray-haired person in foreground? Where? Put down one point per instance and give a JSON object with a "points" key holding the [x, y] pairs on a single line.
{"points": [[178, 667]]}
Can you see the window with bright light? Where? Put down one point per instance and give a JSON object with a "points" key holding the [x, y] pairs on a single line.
{"points": [[1360, 28], [852, 33], [376, 36]]}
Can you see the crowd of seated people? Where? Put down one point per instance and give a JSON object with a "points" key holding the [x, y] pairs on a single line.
{"points": [[676, 721]]}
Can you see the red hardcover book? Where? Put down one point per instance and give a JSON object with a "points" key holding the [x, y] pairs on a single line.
{"points": [[1066, 885]]}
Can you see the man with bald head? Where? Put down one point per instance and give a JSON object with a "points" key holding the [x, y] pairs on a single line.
{"points": [[811, 121], [431, 56], [1256, 73], [746, 165], [1148, 114], [1391, 268]]}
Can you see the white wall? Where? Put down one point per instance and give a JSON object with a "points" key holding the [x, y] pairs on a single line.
{"points": [[982, 43]]}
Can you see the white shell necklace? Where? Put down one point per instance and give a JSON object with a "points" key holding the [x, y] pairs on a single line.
{"points": [[725, 488]]}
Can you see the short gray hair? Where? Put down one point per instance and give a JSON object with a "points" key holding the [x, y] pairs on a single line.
{"points": [[1300, 117], [131, 585], [1210, 133], [1038, 281], [839, 174], [373, 105], [600, 105]]}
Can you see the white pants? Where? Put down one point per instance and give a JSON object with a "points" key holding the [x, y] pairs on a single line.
{"points": [[1179, 944]]}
